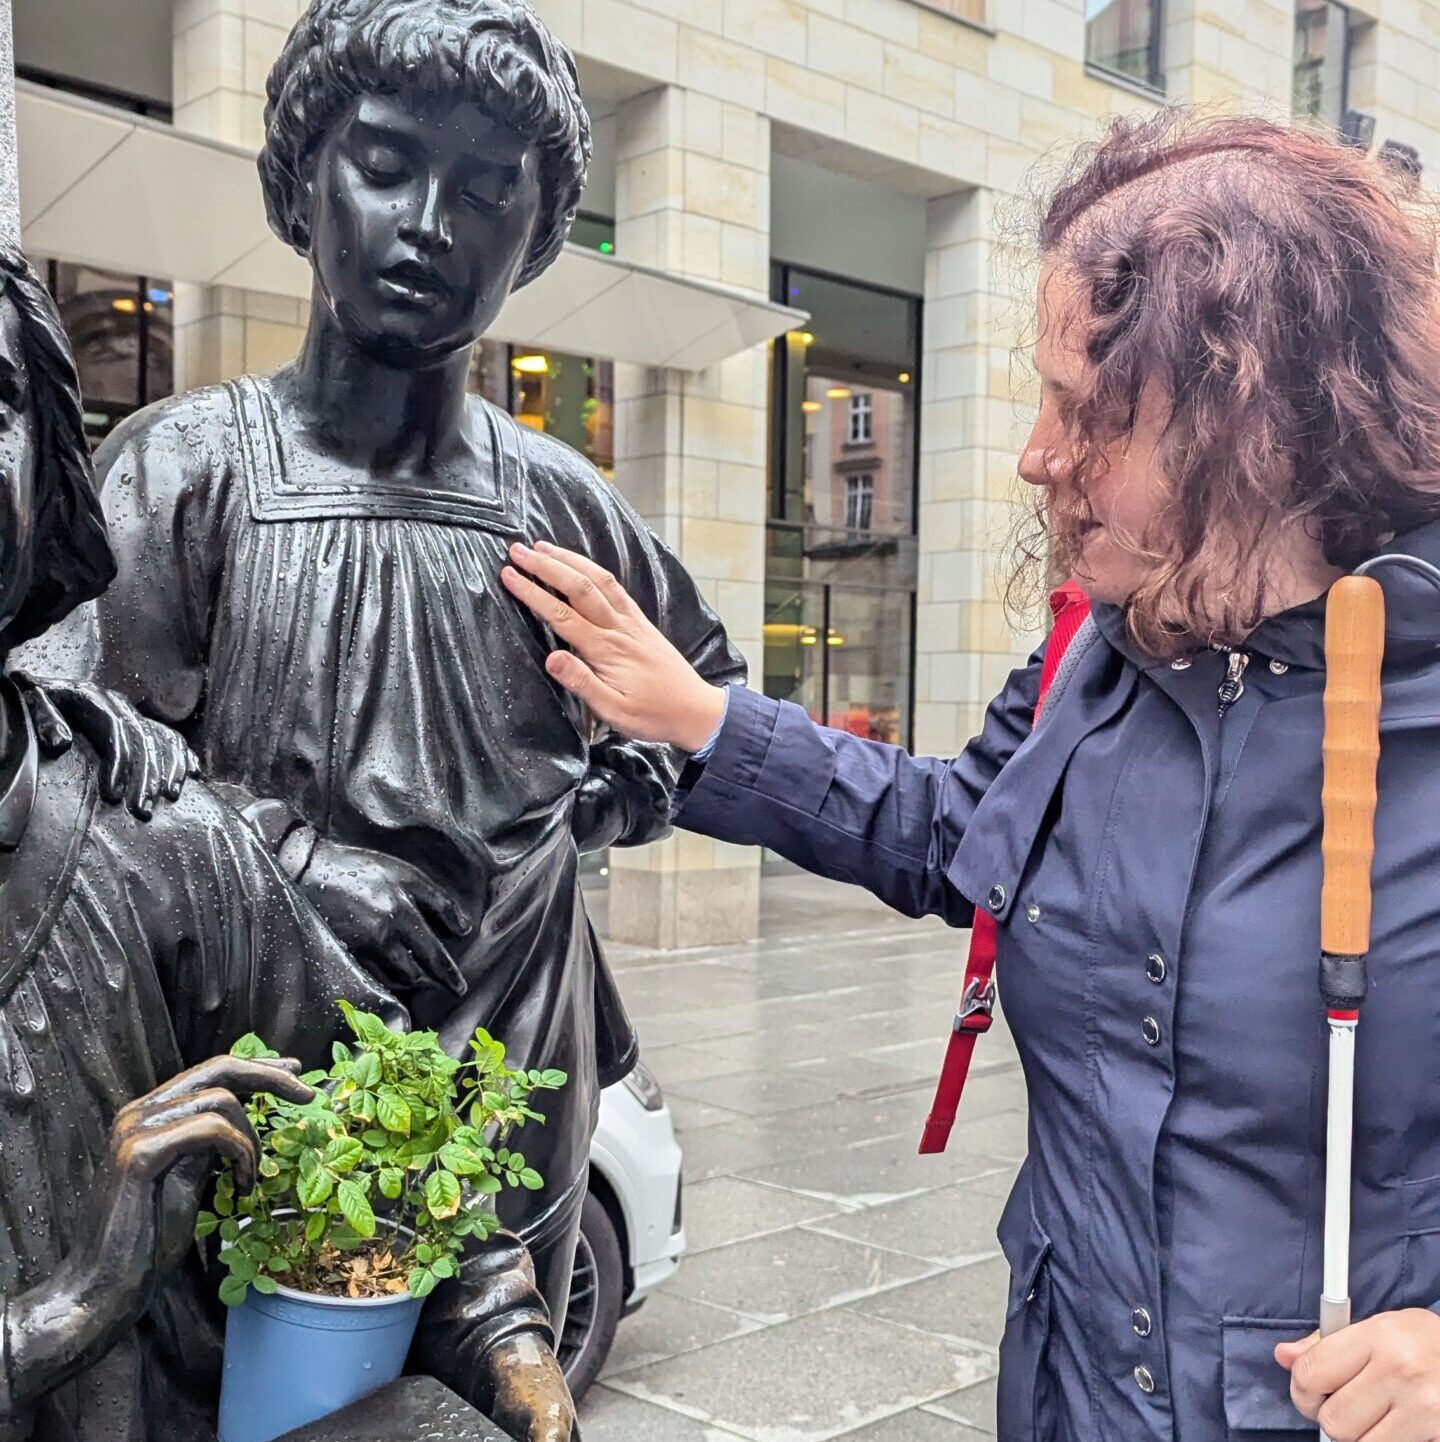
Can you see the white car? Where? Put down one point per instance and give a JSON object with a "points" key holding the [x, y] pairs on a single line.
{"points": [[631, 1232]]}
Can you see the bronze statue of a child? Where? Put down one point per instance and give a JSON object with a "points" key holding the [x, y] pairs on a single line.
{"points": [[309, 561], [131, 953]]}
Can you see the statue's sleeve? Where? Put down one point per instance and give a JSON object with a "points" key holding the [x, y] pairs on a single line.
{"points": [[237, 948], [164, 476], [626, 800]]}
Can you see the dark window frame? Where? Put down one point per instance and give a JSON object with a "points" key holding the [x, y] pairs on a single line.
{"points": [[1153, 81]]}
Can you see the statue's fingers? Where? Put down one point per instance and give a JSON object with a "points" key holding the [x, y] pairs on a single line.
{"points": [[154, 1151], [243, 1076]]}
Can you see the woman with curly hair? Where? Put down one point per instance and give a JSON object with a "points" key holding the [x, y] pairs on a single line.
{"points": [[308, 583], [1239, 357]]}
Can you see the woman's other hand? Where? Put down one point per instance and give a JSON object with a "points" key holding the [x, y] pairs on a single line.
{"points": [[1376, 1381], [620, 665]]}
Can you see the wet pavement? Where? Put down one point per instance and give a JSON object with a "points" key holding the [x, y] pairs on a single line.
{"points": [[837, 1284]]}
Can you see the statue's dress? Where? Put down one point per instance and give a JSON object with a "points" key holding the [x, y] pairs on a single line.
{"points": [[349, 649], [128, 952]]}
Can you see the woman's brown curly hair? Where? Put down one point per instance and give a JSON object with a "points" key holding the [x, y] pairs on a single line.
{"points": [[1279, 290]]}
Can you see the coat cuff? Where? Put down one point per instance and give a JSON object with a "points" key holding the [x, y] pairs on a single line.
{"points": [[737, 756]]}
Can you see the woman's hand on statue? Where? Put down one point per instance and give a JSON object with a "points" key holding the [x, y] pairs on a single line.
{"points": [[386, 912], [139, 1214], [529, 1398], [619, 663], [140, 760], [1375, 1381]]}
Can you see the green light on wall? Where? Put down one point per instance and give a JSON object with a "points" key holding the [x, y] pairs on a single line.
{"points": [[606, 248]]}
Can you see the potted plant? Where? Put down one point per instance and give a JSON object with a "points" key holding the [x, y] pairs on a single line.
{"points": [[365, 1199]]}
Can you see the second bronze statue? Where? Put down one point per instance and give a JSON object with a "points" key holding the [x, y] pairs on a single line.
{"points": [[309, 561]]}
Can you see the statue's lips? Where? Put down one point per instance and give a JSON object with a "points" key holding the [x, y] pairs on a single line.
{"points": [[415, 283]]}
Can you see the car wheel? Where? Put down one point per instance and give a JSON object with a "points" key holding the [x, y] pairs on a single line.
{"points": [[597, 1298]]}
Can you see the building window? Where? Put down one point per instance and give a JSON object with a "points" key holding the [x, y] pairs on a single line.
{"points": [[841, 556], [1322, 61], [1124, 38], [859, 502], [862, 415], [567, 396], [121, 328]]}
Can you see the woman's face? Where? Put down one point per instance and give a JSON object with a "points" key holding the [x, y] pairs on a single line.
{"points": [[17, 466], [1124, 495], [422, 218]]}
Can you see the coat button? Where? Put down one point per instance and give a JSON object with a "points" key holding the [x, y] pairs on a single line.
{"points": [[1150, 1030], [1155, 967], [1140, 1322], [1144, 1381], [1182, 663], [997, 898], [1278, 668], [1032, 913]]}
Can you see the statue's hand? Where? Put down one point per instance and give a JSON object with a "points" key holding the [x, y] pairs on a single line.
{"points": [[529, 1397], [141, 1204], [140, 760], [385, 912]]}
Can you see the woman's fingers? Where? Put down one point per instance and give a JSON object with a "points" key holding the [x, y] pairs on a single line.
{"points": [[583, 591], [562, 618], [608, 584]]}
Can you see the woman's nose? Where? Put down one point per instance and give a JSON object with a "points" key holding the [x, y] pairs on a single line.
{"points": [[1038, 463]]}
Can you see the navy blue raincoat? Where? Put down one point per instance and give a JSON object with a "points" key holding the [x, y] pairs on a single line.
{"points": [[1154, 869]]}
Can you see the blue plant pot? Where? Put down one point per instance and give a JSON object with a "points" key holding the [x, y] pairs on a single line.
{"points": [[293, 1358]]}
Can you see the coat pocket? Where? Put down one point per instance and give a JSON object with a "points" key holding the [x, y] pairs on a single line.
{"points": [[1022, 1407], [1257, 1388]]}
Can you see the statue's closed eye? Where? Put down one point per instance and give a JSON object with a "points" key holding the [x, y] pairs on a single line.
{"points": [[382, 163]]}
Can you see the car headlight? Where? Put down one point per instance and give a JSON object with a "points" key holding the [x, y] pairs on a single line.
{"points": [[645, 1089]]}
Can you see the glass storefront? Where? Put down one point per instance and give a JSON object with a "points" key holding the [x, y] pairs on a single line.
{"points": [[841, 555], [122, 329]]}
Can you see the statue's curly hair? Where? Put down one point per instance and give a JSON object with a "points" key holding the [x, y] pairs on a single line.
{"points": [[496, 53], [70, 557], [1280, 291]]}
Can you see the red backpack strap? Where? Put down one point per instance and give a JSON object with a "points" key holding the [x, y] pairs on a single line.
{"points": [[1069, 608]]}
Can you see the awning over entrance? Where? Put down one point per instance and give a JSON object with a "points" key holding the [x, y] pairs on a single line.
{"points": [[104, 188]]}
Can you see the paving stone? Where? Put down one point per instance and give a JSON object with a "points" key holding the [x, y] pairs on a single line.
{"points": [[917, 1426], [667, 1325], [966, 1304], [950, 1225], [787, 1274], [809, 1380], [974, 1406], [609, 1416], [722, 1210]]}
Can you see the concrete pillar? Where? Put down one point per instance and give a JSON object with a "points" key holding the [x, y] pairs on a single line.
{"points": [[693, 198], [970, 433], [9, 154], [223, 51]]}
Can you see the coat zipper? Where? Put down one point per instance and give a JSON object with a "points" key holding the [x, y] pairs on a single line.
{"points": [[1232, 688]]}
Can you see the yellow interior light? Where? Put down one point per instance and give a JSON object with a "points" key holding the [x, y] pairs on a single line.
{"points": [[530, 365], [833, 640], [837, 393], [904, 378], [810, 407], [125, 305]]}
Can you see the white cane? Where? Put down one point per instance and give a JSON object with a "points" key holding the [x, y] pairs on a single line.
{"points": [[1354, 650]]}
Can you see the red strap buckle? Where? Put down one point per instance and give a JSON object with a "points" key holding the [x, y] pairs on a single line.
{"points": [[977, 1007]]}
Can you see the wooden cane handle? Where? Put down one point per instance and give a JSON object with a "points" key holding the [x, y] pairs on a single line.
{"points": [[1354, 649]]}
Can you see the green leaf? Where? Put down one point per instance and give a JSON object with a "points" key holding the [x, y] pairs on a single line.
{"points": [[310, 1162], [461, 1160], [277, 1264], [252, 1048], [392, 1182], [229, 1230], [269, 1167], [315, 1225], [205, 1223], [314, 1190], [376, 1139], [362, 1105], [241, 1266], [267, 1285], [531, 1180], [445, 1267], [442, 1194], [368, 1070], [422, 1281], [486, 1185], [392, 1111], [341, 1054], [344, 1154], [553, 1078], [355, 1208], [233, 1291]]}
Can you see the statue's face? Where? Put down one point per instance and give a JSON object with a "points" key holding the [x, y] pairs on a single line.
{"points": [[17, 466], [421, 221]]}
